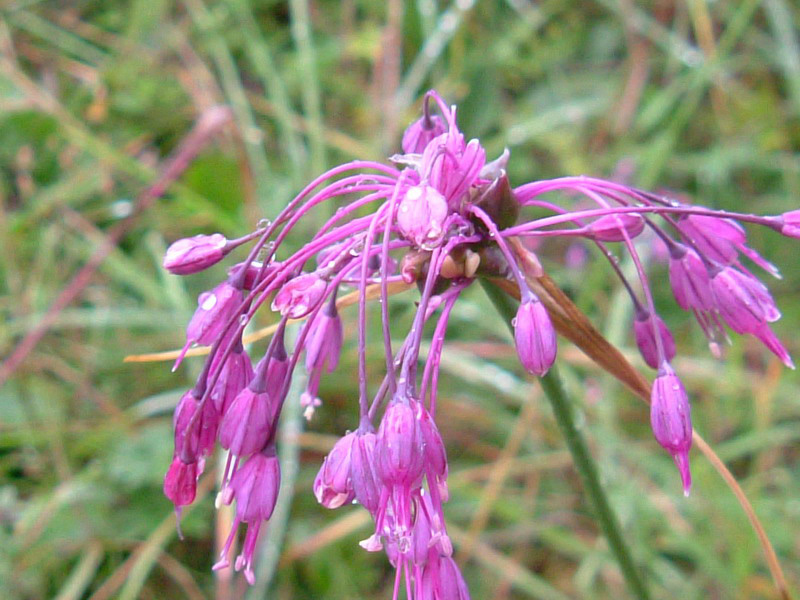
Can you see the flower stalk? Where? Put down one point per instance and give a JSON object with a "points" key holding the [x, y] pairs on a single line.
{"points": [[581, 457]]}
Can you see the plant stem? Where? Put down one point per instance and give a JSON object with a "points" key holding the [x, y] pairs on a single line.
{"points": [[562, 409]]}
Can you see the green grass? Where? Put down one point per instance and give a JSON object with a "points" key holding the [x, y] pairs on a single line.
{"points": [[697, 97]]}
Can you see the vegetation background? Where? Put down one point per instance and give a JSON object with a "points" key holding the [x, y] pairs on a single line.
{"points": [[697, 96]]}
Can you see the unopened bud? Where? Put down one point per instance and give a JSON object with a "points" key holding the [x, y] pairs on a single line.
{"points": [[616, 228], [670, 418], [535, 337], [299, 296], [191, 255]]}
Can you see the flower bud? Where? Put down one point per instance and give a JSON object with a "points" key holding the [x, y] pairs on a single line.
{"points": [[613, 228], [714, 237], [194, 435], [670, 418], [689, 278], [236, 374], [299, 296], [255, 486], [743, 301], [214, 309], [534, 336], [333, 486], [646, 339], [324, 342], [191, 255], [399, 447], [180, 482], [366, 485], [421, 216], [246, 426]]}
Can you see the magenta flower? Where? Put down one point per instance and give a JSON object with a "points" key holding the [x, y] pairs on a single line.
{"points": [[440, 217], [534, 336], [300, 295], [421, 216], [649, 333], [671, 420], [333, 485]]}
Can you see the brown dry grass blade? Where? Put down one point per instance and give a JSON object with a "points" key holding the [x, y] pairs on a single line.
{"points": [[574, 325], [373, 292]]}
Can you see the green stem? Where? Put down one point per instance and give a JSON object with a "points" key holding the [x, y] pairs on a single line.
{"points": [[562, 409]]}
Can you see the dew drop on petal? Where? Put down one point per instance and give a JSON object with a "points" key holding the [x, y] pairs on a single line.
{"points": [[209, 302]]}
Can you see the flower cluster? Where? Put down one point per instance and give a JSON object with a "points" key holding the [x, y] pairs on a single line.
{"points": [[441, 217]]}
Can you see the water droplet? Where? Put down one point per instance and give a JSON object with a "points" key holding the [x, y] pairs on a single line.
{"points": [[209, 302], [243, 319], [263, 224], [514, 322], [270, 245]]}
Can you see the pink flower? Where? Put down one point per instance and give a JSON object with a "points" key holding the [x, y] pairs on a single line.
{"points": [[691, 283], [299, 296], [535, 337], [646, 339], [671, 420], [421, 216], [247, 424], [180, 483], [194, 254], [333, 485], [614, 228]]}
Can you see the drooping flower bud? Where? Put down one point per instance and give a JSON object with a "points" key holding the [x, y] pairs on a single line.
{"points": [[246, 426], [324, 342], [670, 418], [646, 340], [399, 448], [180, 482], [743, 301], [194, 433], [255, 485], [421, 216], [613, 228], [714, 237], [194, 254], [689, 278], [333, 486], [299, 296], [236, 374], [435, 455], [535, 336], [214, 309], [366, 485]]}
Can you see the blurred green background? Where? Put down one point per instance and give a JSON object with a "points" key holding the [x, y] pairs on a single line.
{"points": [[696, 96]]}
